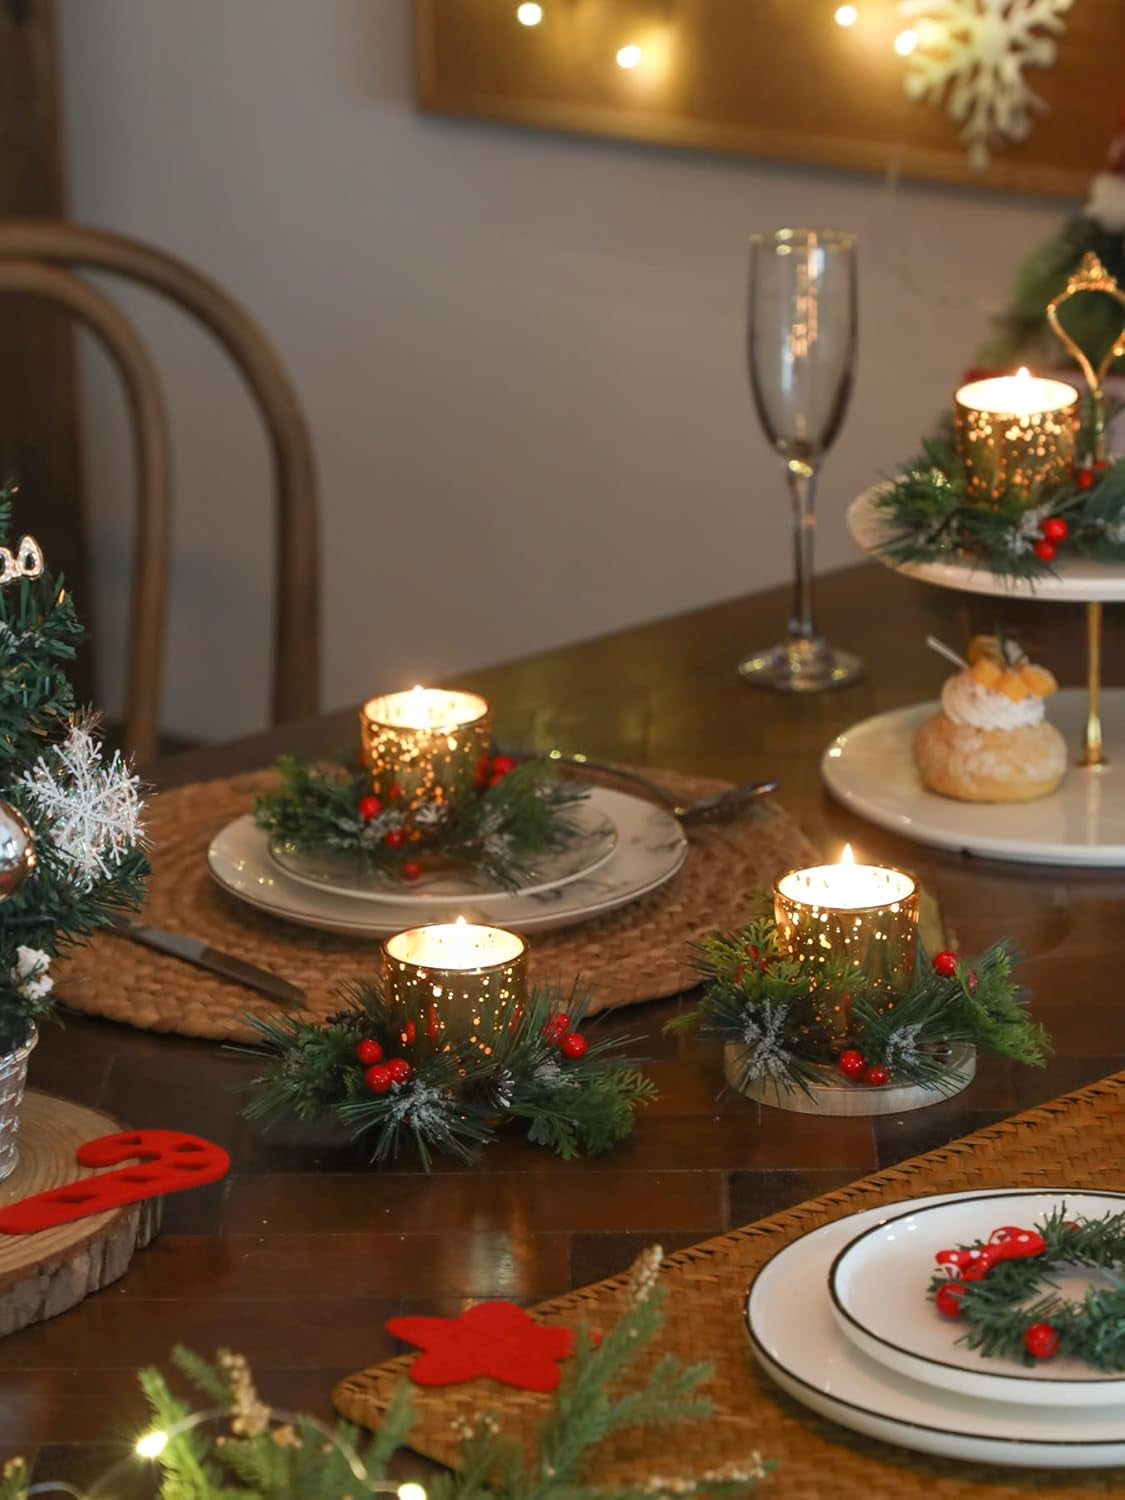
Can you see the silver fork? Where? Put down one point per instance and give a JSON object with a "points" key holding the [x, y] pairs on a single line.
{"points": [[715, 805]]}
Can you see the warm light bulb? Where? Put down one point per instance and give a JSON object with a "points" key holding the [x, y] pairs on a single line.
{"points": [[527, 15], [846, 855], [629, 57], [846, 15], [905, 42], [411, 1491], [152, 1445]]}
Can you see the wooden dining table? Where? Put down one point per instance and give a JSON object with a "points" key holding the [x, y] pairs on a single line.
{"points": [[302, 1253]]}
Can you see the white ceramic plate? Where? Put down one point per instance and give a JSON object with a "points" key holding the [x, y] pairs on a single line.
{"points": [[650, 849], [878, 1289], [337, 870], [1078, 580], [870, 768], [797, 1342]]}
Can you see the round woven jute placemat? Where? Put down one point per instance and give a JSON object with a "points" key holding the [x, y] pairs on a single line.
{"points": [[43, 1274], [641, 952]]}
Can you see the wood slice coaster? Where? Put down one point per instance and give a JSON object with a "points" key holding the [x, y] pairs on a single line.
{"points": [[833, 1095], [43, 1274], [641, 952], [1077, 1140]]}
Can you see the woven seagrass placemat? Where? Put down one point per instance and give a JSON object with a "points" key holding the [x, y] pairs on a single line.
{"points": [[1078, 1140], [641, 952]]}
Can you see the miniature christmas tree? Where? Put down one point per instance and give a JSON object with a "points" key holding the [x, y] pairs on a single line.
{"points": [[1095, 322], [70, 836]]}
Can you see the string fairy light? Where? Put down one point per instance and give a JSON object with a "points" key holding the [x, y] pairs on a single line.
{"points": [[846, 15], [629, 56], [152, 1444], [906, 41], [529, 14]]}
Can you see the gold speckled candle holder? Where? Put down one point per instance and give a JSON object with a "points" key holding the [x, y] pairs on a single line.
{"points": [[867, 914], [455, 983], [429, 742], [1015, 435]]}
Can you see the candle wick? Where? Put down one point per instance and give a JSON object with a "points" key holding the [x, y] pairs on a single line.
{"points": [[943, 650]]}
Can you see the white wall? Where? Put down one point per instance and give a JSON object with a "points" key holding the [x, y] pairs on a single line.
{"points": [[521, 354]]}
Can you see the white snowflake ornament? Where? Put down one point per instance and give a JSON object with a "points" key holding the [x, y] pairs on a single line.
{"points": [[970, 57], [87, 807]]}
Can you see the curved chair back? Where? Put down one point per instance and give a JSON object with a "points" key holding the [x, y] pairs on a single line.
{"points": [[35, 257]]}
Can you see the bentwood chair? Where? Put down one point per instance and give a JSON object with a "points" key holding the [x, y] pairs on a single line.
{"points": [[36, 257]]}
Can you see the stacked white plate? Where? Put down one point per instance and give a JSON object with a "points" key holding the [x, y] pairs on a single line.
{"points": [[842, 1321], [625, 848]]}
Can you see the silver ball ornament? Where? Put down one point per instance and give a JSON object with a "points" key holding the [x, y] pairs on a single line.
{"points": [[17, 850]]}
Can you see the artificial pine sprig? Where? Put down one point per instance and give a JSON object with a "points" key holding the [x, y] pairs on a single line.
{"points": [[452, 1097], [274, 1456], [1015, 1295], [82, 804], [498, 828], [927, 516], [790, 1019]]}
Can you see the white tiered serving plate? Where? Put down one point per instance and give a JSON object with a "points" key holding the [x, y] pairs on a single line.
{"points": [[651, 847], [1076, 582], [870, 769], [876, 1281], [797, 1342]]}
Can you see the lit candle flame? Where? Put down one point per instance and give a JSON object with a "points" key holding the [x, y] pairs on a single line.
{"points": [[846, 855]]}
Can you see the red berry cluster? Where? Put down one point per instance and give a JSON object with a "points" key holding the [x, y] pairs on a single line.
{"points": [[557, 1031], [855, 1066], [947, 965], [1055, 530], [1087, 476], [1041, 1340], [491, 770], [755, 960], [380, 1075]]}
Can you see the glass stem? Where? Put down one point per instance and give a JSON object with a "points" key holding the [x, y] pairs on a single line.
{"points": [[802, 495]]}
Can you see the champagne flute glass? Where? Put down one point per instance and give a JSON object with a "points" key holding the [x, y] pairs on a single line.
{"points": [[801, 350]]}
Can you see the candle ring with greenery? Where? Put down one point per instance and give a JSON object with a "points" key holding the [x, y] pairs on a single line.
{"points": [[511, 814], [391, 1077], [927, 515], [792, 1018], [1005, 1294]]}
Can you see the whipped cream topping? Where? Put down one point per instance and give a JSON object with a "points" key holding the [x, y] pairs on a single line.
{"points": [[965, 701]]}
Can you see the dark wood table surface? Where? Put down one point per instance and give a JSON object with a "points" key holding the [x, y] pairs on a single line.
{"points": [[300, 1256]]}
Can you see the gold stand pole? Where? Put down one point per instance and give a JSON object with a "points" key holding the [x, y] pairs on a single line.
{"points": [[1092, 752], [1091, 276]]}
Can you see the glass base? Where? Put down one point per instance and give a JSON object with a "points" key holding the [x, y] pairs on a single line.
{"points": [[797, 666]]}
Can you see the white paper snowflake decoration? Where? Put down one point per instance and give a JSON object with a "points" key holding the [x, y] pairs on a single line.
{"points": [[970, 57], [89, 805]]}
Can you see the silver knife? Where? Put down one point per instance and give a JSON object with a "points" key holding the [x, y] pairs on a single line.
{"points": [[193, 951]]}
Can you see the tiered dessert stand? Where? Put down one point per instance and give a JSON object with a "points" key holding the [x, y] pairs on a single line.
{"points": [[870, 767]]}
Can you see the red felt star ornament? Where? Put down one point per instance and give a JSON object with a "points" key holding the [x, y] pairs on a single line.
{"points": [[494, 1339]]}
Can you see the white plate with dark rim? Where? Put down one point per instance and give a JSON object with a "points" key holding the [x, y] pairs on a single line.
{"points": [[337, 870], [878, 1283], [797, 1342], [651, 847]]}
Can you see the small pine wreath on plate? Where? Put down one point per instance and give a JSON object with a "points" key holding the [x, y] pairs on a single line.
{"points": [[1001, 1292]]}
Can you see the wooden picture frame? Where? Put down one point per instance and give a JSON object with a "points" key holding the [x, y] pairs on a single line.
{"points": [[768, 78]]}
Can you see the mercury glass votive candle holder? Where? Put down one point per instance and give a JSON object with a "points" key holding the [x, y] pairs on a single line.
{"points": [[866, 914], [1015, 435], [455, 983], [428, 742]]}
